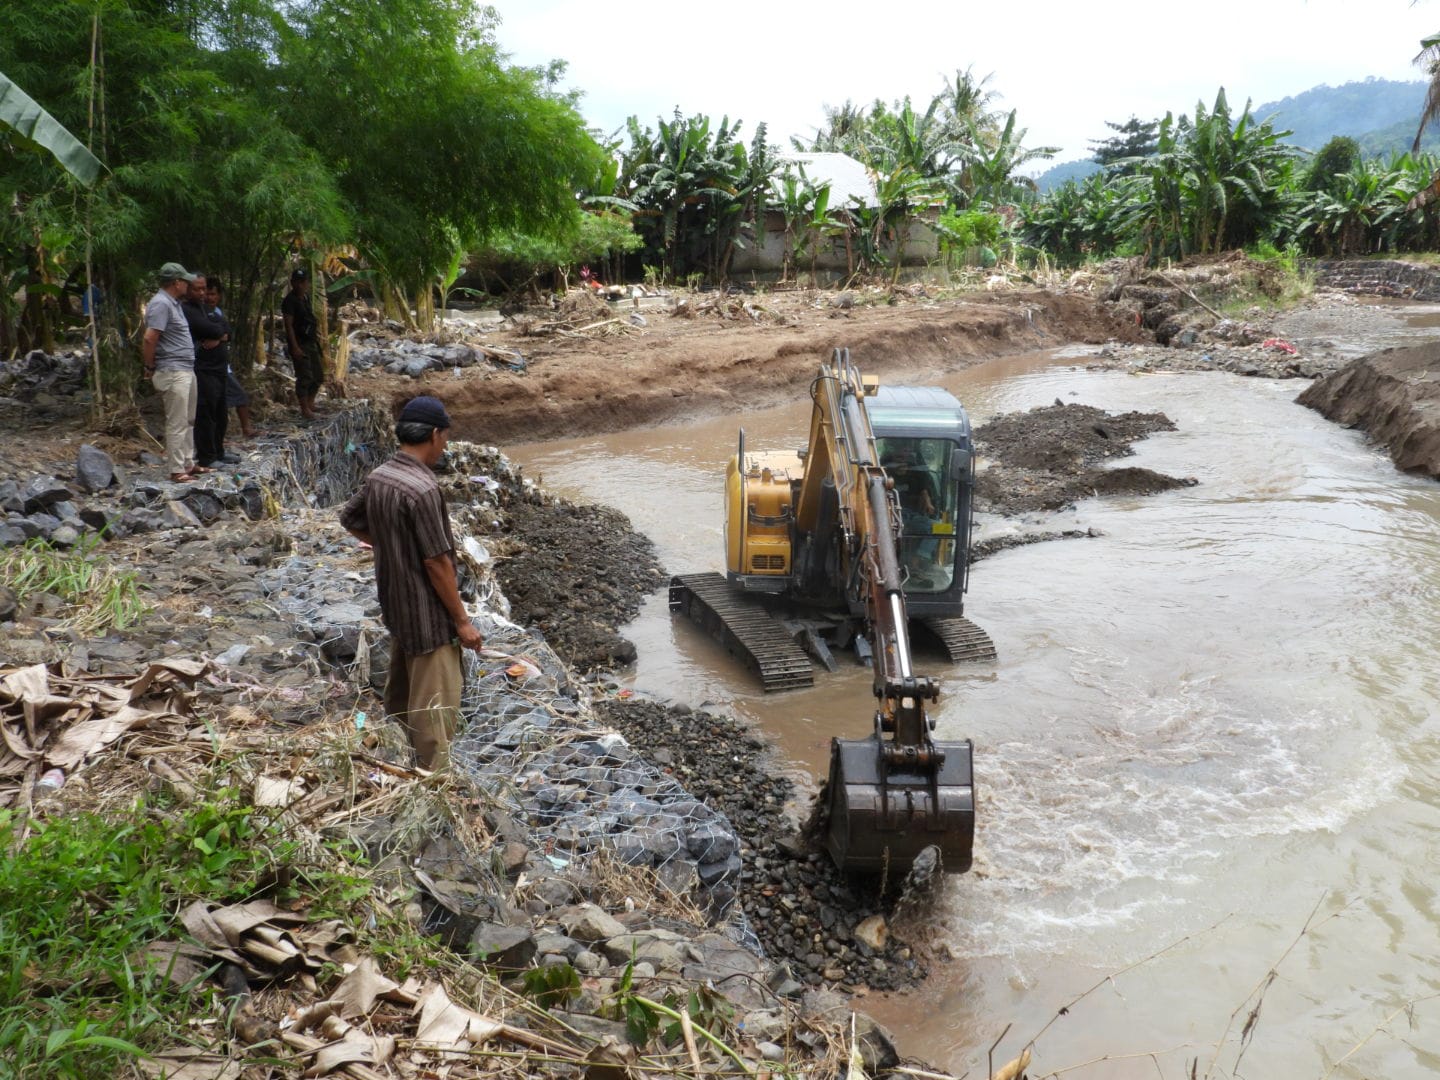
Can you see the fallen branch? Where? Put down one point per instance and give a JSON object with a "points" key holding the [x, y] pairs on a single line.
{"points": [[1252, 1017], [1375, 1031], [594, 325], [1191, 295], [1064, 1010], [1153, 1055], [688, 1031]]}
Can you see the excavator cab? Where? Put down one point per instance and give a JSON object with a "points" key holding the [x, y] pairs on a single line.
{"points": [[919, 469], [923, 438]]}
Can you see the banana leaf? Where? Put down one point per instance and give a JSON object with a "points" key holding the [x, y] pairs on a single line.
{"points": [[39, 129]]}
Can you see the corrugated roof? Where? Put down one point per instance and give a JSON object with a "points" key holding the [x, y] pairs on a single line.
{"points": [[849, 180]]}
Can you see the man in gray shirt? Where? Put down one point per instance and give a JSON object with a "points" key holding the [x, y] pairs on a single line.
{"points": [[169, 357]]}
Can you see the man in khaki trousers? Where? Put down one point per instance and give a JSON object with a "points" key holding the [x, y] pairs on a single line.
{"points": [[401, 513], [168, 354]]}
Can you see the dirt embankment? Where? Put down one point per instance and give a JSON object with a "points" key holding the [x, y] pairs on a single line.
{"points": [[715, 362], [1392, 395]]}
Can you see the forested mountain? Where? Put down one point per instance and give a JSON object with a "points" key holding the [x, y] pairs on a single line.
{"points": [[1380, 114], [1056, 175], [1355, 109]]}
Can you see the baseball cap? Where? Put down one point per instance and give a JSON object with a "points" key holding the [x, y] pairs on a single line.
{"points": [[425, 410], [172, 270], [299, 274]]}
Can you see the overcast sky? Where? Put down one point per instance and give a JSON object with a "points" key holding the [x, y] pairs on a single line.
{"points": [[1067, 66]]}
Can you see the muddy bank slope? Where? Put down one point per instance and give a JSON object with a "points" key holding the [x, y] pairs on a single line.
{"points": [[1394, 397], [684, 366]]}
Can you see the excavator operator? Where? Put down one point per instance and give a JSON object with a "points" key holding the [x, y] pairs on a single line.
{"points": [[915, 486]]}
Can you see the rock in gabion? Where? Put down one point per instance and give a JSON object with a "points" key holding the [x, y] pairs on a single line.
{"points": [[94, 471]]}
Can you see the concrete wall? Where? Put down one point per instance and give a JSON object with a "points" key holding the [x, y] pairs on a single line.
{"points": [[765, 260]]}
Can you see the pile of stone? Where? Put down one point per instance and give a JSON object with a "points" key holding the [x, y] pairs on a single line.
{"points": [[1267, 359], [107, 500], [103, 502], [823, 926], [405, 356], [42, 378], [578, 790]]}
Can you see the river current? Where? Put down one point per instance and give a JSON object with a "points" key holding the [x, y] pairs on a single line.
{"points": [[1211, 722]]}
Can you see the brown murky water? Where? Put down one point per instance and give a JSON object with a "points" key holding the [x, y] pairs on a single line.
{"points": [[1216, 716]]}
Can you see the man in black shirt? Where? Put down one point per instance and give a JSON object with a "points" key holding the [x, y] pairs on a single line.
{"points": [[211, 339], [302, 341]]}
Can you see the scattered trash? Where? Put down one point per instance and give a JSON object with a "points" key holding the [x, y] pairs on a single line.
{"points": [[52, 780], [359, 721], [233, 655], [1280, 345]]}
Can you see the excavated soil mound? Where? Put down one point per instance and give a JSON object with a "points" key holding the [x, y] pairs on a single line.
{"points": [[1394, 397], [1051, 456], [576, 572]]}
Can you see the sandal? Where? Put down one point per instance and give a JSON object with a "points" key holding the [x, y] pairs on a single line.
{"points": [[180, 478], [199, 469]]}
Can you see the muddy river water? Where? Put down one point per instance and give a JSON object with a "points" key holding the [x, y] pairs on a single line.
{"points": [[1207, 722]]}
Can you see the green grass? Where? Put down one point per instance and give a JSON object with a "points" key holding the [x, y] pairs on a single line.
{"points": [[102, 595], [80, 896]]}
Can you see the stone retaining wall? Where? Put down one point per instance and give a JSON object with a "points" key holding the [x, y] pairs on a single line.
{"points": [[1379, 277]]}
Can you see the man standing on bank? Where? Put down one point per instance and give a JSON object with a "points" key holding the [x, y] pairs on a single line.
{"points": [[211, 333], [400, 512], [302, 341], [168, 355]]}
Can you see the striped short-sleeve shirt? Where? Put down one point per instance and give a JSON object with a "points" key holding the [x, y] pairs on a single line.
{"points": [[402, 511]]}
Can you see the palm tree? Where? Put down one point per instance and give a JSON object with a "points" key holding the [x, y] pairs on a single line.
{"points": [[1429, 59]]}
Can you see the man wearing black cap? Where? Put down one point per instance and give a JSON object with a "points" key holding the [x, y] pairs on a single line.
{"points": [[400, 512], [302, 341]]}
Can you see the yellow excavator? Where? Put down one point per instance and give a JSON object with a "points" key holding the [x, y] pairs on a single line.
{"points": [[844, 543]]}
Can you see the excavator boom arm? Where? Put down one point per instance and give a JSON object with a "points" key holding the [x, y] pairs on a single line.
{"points": [[895, 794]]}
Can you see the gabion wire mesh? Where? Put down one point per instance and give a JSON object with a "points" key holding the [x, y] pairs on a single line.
{"points": [[530, 746]]}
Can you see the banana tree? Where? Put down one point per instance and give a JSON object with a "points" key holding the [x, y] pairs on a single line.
{"points": [[899, 192], [36, 128], [677, 170], [805, 207]]}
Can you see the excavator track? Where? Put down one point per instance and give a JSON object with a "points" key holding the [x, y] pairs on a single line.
{"points": [[963, 641], [748, 631]]}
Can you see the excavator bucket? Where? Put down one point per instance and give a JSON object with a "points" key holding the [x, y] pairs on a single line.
{"points": [[882, 812]]}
